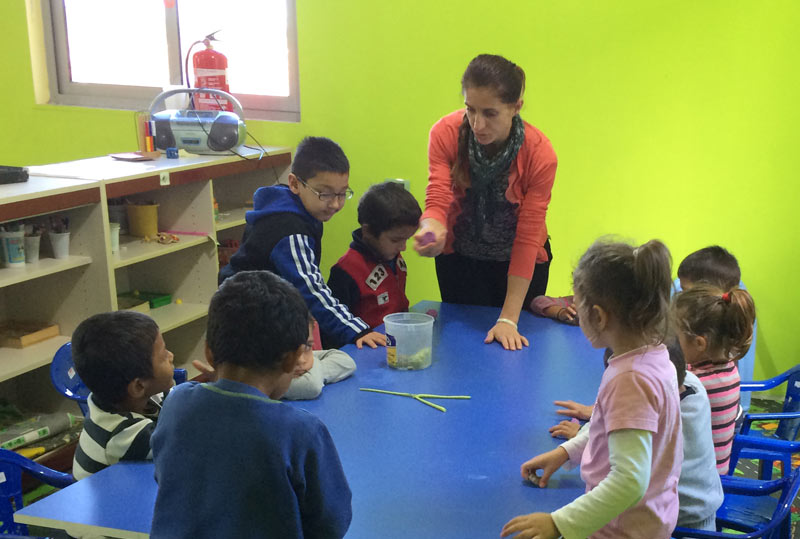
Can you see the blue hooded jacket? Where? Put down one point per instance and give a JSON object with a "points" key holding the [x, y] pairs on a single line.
{"points": [[282, 237]]}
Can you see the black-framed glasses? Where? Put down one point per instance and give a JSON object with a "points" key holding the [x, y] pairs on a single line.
{"points": [[327, 197]]}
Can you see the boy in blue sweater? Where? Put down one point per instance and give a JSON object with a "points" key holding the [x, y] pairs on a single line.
{"points": [[230, 459], [284, 235]]}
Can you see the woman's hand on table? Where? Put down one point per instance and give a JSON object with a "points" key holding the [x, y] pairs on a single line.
{"points": [[373, 339], [507, 335], [574, 409], [430, 238]]}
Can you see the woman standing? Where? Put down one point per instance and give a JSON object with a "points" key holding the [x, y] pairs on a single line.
{"points": [[489, 180]]}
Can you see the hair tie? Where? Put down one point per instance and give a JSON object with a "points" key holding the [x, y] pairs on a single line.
{"points": [[635, 252], [726, 297]]}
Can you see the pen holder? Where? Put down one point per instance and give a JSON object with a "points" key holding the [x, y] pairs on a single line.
{"points": [[32, 244], [143, 220], [409, 339], [13, 248], [59, 241]]}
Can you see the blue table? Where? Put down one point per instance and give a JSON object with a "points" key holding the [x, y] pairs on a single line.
{"points": [[413, 470]]}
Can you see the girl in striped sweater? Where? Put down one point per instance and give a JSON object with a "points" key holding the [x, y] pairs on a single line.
{"points": [[715, 329]]}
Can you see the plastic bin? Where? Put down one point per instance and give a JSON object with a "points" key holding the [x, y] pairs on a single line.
{"points": [[409, 340]]}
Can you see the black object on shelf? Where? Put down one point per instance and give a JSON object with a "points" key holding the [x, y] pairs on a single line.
{"points": [[13, 174]]}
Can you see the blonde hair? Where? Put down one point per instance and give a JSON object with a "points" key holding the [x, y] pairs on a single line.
{"points": [[633, 284]]}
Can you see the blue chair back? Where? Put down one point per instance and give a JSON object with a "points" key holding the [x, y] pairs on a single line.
{"points": [[11, 467], [787, 428], [67, 382]]}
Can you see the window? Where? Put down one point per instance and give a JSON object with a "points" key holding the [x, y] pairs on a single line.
{"points": [[122, 53]]}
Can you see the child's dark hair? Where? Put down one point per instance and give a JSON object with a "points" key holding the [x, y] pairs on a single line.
{"points": [[318, 154], [110, 350], [387, 205], [255, 319], [676, 356], [725, 319], [712, 265], [633, 284], [507, 79]]}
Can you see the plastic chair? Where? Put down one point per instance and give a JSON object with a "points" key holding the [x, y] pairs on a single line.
{"points": [[11, 466], [749, 506], [67, 382], [788, 419]]}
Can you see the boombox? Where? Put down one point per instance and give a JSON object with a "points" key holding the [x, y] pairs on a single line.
{"points": [[207, 132]]}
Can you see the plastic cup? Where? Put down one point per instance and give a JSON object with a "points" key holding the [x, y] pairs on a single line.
{"points": [[409, 340], [118, 213], [115, 227], [13, 248], [32, 249], [60, 243]]}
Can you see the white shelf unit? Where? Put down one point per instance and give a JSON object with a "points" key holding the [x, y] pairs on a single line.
{"points": [[62, 291], [67, 291]]}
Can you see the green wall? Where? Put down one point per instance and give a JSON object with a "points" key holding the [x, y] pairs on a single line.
{"points": [[674, 120]]}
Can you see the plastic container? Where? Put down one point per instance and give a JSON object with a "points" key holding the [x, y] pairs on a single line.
{"points": [[60, 243], [118, 213], [32, 244], [114, 229], [143, 220], [13, 248], [409, 340]]}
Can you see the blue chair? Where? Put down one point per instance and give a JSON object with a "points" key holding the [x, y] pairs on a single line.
{"points": [[67, 382], [11, 466], [788, 420], [749, 506]]}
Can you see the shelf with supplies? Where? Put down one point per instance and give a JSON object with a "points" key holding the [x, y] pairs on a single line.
{"points": [[92, 279]]}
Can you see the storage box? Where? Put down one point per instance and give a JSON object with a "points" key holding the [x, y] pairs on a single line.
{"points": [[129, 302], [16, 334], [155, 299]]}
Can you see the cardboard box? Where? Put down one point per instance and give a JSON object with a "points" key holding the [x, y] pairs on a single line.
{"points": [[16, 334]]}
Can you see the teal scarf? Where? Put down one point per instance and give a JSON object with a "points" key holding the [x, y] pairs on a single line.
{"points": [[484, 170]]}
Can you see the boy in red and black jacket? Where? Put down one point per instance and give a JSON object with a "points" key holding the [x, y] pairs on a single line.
{"points": [[370, 278]]}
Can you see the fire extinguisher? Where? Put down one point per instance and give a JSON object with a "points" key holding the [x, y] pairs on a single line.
{"points": [[210, 71]]}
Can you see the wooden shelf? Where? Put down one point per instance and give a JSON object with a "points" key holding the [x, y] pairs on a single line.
{"points": [[231, 218], [133, 250], [174, 316], [45, 266], [16, 361]]}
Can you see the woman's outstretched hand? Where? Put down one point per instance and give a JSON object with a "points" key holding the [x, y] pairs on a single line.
{"points": [[430, 238]]}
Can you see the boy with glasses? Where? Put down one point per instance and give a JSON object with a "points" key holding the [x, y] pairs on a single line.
{"points": [[283, 234]]}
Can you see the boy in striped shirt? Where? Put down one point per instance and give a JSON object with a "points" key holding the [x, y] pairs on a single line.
{"points": [[122, 359]]}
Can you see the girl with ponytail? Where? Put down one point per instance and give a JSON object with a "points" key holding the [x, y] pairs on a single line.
{"points": [[490, 177], [631, 454], [715, 329]]}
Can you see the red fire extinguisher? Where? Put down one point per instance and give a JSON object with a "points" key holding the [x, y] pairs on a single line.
{"points": [[210, 71]]}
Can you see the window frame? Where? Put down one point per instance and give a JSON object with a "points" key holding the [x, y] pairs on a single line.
{"points": [[63, 91]]}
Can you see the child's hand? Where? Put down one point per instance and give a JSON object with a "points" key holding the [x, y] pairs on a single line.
{"points": [[547, 462], [574, 409], [507, 335], [430, 238], [207, 372], [371, 339], [534, 525], [565, 429]]}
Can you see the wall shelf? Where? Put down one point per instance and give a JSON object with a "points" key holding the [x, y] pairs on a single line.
{"points": [[67, 291]]}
